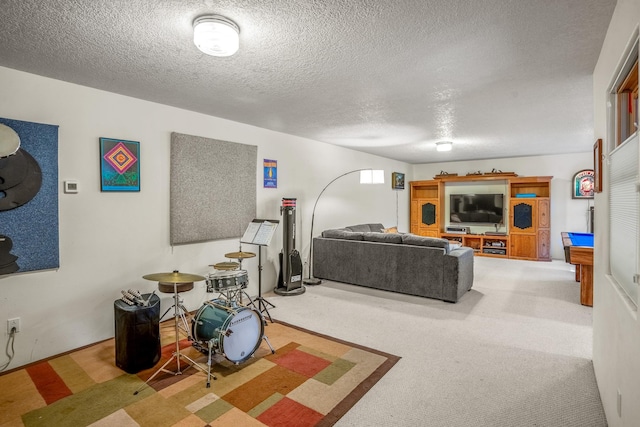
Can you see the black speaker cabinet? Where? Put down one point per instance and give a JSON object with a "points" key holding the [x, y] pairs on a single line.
{"points": [[429, 214], [137, 335], [522, 216]]}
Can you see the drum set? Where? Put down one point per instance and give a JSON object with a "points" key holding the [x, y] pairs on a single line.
{"points": [[223, 325]]}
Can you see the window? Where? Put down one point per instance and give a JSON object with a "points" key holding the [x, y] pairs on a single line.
{"points": [[624, 164], [627, 105]]}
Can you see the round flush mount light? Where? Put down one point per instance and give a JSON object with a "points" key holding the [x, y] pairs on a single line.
{"points": [[216, 35], [444, 146]]}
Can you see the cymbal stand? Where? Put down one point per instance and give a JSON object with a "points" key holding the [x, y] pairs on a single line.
{"points": [[179, 315], [178, 306], [240, 268]]}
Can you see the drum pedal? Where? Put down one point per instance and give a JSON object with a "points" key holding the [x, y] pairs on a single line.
{"points": [[200, 348]]}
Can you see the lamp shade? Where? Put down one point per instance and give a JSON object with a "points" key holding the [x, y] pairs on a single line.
{"points": [[372, 176], [444, 146], [216, 35]]}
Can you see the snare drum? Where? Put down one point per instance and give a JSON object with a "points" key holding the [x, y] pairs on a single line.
{"points": [[235, 332], [223, 280]]}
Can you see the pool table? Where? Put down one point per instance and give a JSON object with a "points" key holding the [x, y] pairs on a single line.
{"points": [[578, 250]]}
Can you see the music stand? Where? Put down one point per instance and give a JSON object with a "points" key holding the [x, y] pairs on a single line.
{"points": [[259, 232], [262, 303]]}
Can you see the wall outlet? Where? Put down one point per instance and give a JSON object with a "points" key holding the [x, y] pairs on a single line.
{"points": [[13, 323]]}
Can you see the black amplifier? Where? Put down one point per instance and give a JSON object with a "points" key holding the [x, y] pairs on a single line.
{"points": [[494, 251]]}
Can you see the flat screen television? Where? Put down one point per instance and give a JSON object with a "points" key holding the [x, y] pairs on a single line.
{"points": [[476, 208]]}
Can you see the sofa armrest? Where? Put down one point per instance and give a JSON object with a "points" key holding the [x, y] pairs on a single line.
{"points": [[458, 273]]}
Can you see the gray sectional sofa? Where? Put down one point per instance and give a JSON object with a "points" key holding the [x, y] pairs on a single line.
{"points": [[406, 263]]}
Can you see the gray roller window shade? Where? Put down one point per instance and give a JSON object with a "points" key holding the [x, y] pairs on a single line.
{"points": [[624, 216]]}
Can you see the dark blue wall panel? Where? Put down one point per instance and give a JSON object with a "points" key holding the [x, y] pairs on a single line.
{"points": [[33, 227]]}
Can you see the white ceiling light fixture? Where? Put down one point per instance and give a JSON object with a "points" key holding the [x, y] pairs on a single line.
{"points": [[444, 145], [216, 35]]}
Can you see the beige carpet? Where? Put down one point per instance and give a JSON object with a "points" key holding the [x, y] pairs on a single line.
{"points": [[515, 351]]}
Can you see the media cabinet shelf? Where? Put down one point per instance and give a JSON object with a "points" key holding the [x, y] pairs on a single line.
{"points": [[527, 206], [480, 242]]}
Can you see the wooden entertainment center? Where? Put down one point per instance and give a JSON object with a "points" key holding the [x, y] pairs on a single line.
{"points": [[527, 203]]}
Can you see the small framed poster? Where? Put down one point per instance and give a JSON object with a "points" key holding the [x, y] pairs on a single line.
{"points": [[270, 173], [119, 165], [583, 184], [397, 181]]}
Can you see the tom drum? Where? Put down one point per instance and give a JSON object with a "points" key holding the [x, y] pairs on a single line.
{"points": [[223, 280]]}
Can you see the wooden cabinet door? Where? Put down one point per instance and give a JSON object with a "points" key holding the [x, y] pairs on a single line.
{"points": [[544, 252], [415, 223], [429, 232], [425, 217], [523, 216], [544, 219], [523, 246]]}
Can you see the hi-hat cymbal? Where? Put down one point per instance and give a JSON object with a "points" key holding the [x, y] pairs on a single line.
{"points": [[173, 277], [240, 255]]}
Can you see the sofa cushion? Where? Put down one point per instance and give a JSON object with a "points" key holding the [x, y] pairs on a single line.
{"points": [[382, 237], [433, 242], [365, 227], [342, 234]]}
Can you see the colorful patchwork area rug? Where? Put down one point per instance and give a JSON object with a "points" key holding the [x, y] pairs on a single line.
{"points": [[310, 380]]}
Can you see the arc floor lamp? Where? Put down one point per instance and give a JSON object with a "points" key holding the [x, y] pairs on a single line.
{"points": [[367, 176]]}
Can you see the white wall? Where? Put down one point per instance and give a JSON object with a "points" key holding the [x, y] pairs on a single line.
{"points": [[567, 214], [73, 305], [616, 327]]}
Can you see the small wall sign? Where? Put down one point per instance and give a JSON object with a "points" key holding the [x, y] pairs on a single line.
{"points": [[583, 184], [270, 173]]}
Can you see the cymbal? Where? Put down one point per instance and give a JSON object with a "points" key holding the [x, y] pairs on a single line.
{"points": [[226, 266], [9, 141], [173, 277], [240, 255]]}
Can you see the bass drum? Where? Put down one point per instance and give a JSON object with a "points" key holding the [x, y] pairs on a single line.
{"points": [[235, 332]]}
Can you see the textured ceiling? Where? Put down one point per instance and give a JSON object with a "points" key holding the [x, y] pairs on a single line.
{"points": [[499, 78]]}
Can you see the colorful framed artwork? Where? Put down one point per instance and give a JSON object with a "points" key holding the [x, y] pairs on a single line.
{"points": [[397, 181], [597, 166], [119, 165], [583, 184]]}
